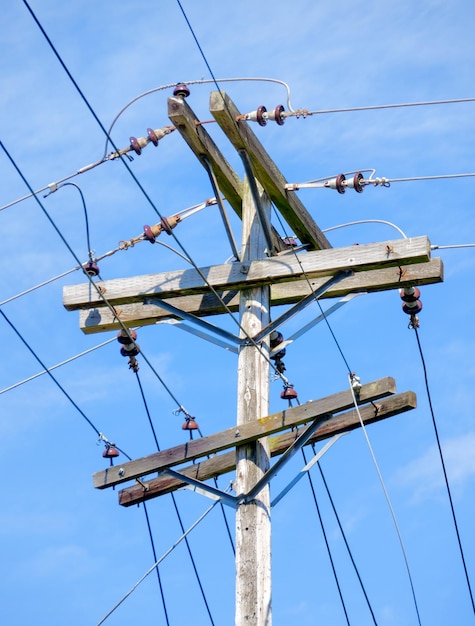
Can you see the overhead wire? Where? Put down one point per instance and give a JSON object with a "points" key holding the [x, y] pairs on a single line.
{"points": [[325, 538], [201, 274], [337, 517], [386, 495], [305, 112], [157, 563], [53, 378], [442, 462], [143, 356], [359, 108], [350, 375]]}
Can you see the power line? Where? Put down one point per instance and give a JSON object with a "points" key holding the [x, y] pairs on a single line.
{"points": [[431, 408], [157, 563], [305, 112], [56, 382], [386, 494], [327, 545], [345, 540]]}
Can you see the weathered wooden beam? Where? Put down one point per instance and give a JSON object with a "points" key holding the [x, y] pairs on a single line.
{"points": [[200, 142], [101, 319], [224, 463], [227, 277], [241, 435], [265, 170]]}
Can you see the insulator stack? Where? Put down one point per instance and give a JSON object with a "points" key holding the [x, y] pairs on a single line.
{"points": [[261, 115], [190, 424], [181, 91], [411, 304], [289, 393], [338, 183], [276, 339], [166, 224], [137, 144], [129, 347], [110, 452], [91, 269]]}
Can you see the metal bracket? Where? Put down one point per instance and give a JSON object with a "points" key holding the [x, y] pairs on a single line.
{"points": [[196, 320], [306, 469], [302, 304]]}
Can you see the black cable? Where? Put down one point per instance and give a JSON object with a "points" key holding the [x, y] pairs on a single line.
{"points": [[198, 45], [174, 503], [88, 238], [325, 317], [346, 542], [326, 540], [53, 378], [155, 560], [149, 200], [443, 466]]}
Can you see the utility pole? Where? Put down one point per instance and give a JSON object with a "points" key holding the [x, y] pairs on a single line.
{"points": [[268, 273], [253, 524]]}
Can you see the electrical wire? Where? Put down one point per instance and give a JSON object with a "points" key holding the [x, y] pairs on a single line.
{"points": [[143, 356], [305, 112], [345, 540], [326, 230], [350, 375], [159, 578], [56, 382], [330, 556], [386, 495], [180, 521], [157, 563], [88, 238], [442, 462], [201, 274], [53, 367]]}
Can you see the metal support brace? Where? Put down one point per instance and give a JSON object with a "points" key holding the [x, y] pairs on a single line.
{"points": [[288, 454], [324, 315], [224, 215], [196, 320], [198, 333], [255, 196], [306, 469], [302, 304], [203, 488]]}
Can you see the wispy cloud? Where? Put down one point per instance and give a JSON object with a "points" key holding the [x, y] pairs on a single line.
{"points": [[424, 476]]}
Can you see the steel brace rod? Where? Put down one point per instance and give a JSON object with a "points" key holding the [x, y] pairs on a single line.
{"points": [[306, 469], [222, 209], [302, 304], [288, 454]]}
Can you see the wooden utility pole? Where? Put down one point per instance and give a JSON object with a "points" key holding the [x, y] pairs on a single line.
{"points": [[269, 272], [253, 525]]}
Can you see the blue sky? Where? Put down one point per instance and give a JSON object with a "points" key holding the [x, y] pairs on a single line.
{"points": [[70, 552]]}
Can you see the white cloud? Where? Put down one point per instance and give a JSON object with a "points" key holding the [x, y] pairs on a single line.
{"points": [[424, 476]]}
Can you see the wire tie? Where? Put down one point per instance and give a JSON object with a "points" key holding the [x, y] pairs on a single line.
{"points": [[142, 484]]}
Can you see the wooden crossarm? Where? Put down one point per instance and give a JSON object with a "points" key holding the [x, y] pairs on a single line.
{"points": [[282, 269], [101, 319], [244, 434], [224, 463], [265, 170]]}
